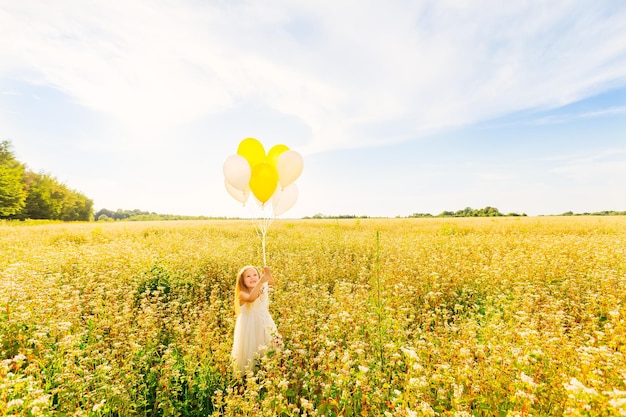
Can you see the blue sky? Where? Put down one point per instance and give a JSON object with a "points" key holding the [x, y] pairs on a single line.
{"points": [[397, 107]]}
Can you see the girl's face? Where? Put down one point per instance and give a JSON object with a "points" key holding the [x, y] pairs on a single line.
{"points": [[250, 278]]}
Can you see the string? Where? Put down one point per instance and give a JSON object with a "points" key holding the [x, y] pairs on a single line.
{"points": [[263, 221]]}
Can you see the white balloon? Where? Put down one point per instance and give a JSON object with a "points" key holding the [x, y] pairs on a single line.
{"points": [[237, 172], [284, 199], [239, 195], [289, 167]]}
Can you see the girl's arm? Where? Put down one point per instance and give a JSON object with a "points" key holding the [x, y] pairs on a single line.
{"points": [[267, 272]]}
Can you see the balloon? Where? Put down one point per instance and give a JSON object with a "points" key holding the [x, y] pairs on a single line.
{"points": [[237, 172], [263, 181], [239, 195], [284, 199], [252, 150], [289, 167], [274, 154]]}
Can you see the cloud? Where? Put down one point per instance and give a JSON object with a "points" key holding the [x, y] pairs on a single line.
{"points": [[611, 111], [554, 119], [354, 74], [607, 167]]}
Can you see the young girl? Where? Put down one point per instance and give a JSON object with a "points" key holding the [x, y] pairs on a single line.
{"points": [[254, 327]]}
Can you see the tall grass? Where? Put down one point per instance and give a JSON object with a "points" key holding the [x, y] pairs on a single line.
{"points": [[448, 317]]}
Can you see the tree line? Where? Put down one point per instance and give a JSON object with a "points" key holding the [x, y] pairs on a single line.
{"points": [[25, 194], [138, 215], [466, 212], [469, 212]]}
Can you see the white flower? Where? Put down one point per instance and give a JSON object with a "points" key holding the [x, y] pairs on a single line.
{"points": [[618, 403], [410, 353], [464, 352], [614, 314], [411, 413], [306, 404], [98, 406], [426, 409], [527, 380], [15, 403], [458, 390], [576, 386]]}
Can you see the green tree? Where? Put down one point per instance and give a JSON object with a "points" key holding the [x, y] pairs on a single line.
{"points": [[12, 193], [47, 198], [75, 206], [43, 199], [490, 212]]}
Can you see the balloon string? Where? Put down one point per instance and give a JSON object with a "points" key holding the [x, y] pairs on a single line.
{"points": [[263, 223], [263, 246]]}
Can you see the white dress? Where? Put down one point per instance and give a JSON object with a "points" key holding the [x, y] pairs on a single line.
{"points": [[254, 330]]}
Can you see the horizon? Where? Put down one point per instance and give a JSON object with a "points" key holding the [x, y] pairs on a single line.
{"points": [[443, 214], [396, 109]]}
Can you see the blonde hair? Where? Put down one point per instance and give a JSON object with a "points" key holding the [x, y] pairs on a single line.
{"points": [[239, 284]]}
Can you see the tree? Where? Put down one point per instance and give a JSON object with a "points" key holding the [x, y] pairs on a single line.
{"points": [[47, 198], [43, 199], [75, 206], [12, 193], [28, 195]]}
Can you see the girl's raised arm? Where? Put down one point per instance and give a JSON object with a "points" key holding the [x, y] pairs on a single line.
{"points": [[267, 272]]}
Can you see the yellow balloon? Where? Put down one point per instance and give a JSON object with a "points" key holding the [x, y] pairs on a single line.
{"points": [[274, 153], [252, 150], [263, 181]]}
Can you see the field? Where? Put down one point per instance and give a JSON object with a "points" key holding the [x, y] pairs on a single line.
{"points": [[408, 317]]}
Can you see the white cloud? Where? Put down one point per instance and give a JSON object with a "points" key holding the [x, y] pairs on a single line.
{"points": [[607, 167], [344, 69], [158, 76]]}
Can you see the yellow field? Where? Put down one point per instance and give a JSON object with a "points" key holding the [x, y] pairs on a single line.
{"points": [[408, 317]]}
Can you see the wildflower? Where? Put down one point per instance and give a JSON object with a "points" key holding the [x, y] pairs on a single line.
{"points": [[306, 404], [464, 352], [19, 357], [618, 403], [98, 406], [363, 369], [618, 399], [426, 409], [523, 394], [283, 384], [64, 325], [15, 403], [527, 380], [458, 390], [576, 386], [410, 353]]}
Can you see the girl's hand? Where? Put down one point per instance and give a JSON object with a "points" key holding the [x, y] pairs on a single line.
{"points": [[267, 275]]}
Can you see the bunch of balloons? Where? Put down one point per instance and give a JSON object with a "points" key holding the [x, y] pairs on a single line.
{"points": [[268, 176]]}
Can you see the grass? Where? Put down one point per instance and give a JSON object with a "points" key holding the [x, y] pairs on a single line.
{"points": [[449, 317]]}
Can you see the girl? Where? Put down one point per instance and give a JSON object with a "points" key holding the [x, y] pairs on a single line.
{"points": [[254, 328]]}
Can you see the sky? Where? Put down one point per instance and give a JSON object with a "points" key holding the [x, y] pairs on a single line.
{"points": [[397, 107]]}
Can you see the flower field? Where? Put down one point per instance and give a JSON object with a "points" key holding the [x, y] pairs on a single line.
{"points": [[395, 317]]}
